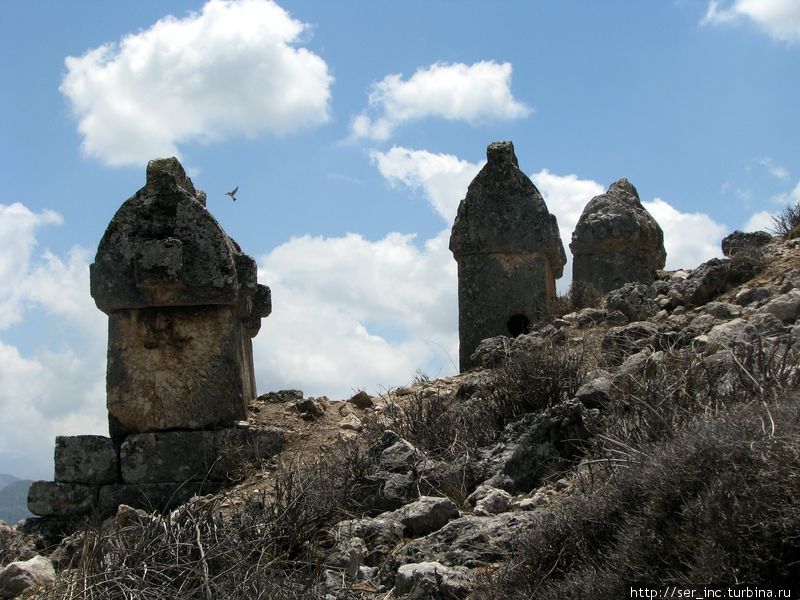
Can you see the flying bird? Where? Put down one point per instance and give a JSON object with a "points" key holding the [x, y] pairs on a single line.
{"points": [[233, 193]]}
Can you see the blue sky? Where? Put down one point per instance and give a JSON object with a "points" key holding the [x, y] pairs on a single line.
{"points": [[352, 129]]}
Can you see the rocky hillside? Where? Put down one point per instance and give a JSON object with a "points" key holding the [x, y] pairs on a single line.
{"points": [[652, 439]]}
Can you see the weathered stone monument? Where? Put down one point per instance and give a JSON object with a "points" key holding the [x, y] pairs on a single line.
{"points": [[616, 241], [508, 250], [183, 304]]}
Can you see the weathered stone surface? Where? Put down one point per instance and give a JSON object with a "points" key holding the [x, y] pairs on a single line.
{"points": [[635, 300], [538, 446], [595, 393], [469, 541], [281, 396], [361, 400], [717, 275], [183, 303], [491, 352], [151, 496], [629, 339], [47, 498], [19, 576], [348, 554], [167, 456], [722, 310], [785, 307], [236, 447], [309, 408], [379, 535], [740, 241], [616, 241], [508, 251], [424, 515], [419, 581], [86, 459], [194, 455], [748, 296], [493, 502]]}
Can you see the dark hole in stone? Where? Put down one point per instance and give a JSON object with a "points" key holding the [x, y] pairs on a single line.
{"points": [[518, 324]]}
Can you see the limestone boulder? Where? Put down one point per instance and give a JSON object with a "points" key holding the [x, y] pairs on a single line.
{"points": [[419, 581], [741, 241], [17, 577], [616, 241]]}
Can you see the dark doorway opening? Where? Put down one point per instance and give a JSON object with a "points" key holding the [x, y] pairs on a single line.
{"points": [[518, 324]]}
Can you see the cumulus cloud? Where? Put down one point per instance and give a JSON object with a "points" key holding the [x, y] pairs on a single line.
{"points": [[443, 178], [353, 313], [18, 226], [780, 19], [566, 196], [57, 388], [760, 221], [473, 93], [789, 198], [689, 238], [232, 69]]}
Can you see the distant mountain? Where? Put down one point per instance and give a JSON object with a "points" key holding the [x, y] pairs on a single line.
{"points": [[5, 479], [14, 499]]}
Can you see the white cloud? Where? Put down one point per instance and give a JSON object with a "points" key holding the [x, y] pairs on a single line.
{"points": [[780, 19], [789, 198], [231, 69], [566, 196], [760, 221], [352, 313], [777, 171], [18, 239], [58, 388], [473, 93], [689, 238], [444, 178]]}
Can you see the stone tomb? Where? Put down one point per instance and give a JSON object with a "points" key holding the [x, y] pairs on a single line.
{"points": [[508, 251], [616, 241], [183, 304]]}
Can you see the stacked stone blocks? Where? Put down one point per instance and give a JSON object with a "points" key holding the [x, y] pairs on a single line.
{"points": [[183, 304]]}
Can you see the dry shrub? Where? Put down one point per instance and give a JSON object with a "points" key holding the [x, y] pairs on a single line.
{"points": [[786, 221], [714, 505], [693, 481], [264, 547], [545, 375]]}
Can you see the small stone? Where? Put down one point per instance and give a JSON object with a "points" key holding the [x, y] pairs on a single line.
{"points": [[309, 408], [362, 400], [785, 307], [595, 393], [748, 296], [281, 397], [426, 515], [419, 581], [740, 241], [495, 502], [19, 576], [351, 422]]}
